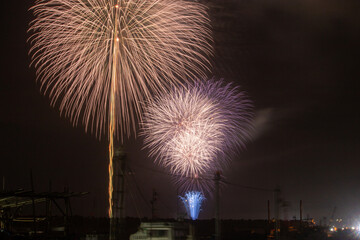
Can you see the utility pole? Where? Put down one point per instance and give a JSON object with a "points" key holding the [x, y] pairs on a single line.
{"points": [[48, 210], [268, 225], [301, 212], [2, 216], [217, 208], [152, 202], [268, 208], [33, 202], [177, 204], [66, 215], [117, 222], [276, 212]]}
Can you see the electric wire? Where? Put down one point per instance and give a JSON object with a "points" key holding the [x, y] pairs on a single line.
{"points": [[132, 197], [139, 189], [247, 187], [208, 179]]}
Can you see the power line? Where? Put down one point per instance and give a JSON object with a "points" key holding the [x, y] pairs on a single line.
{"points": [[207, 179], [133, 200], [248, 187], [173, 175], [139, 190]]}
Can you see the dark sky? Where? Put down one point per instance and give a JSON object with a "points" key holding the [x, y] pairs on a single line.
{"points": [[298, 62]]}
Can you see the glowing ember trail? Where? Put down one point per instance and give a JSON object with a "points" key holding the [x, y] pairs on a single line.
{"points": [[112, 110], [99, 59]]}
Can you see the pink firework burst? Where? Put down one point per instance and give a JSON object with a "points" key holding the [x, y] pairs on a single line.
{"points": [[194, 129]]}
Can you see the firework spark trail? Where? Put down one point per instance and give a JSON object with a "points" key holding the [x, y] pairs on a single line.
{"points": [[98, 59], [192, 202], [195, 129], [112, 112]]}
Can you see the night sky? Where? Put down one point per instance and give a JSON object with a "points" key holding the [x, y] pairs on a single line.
{"points": [[298, 62]]}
